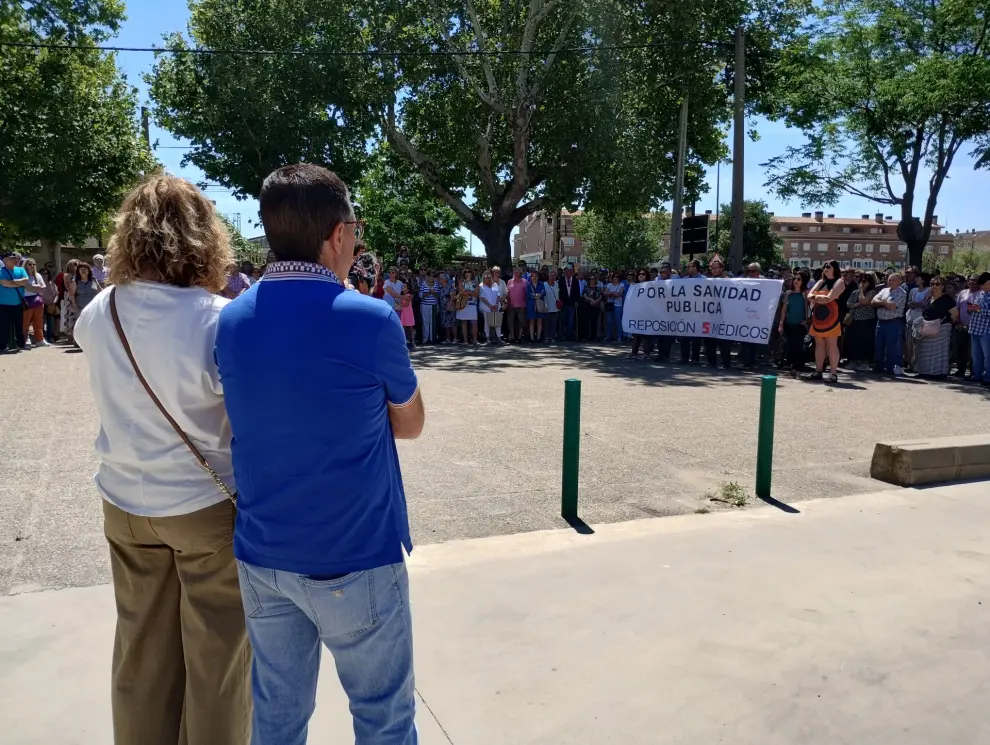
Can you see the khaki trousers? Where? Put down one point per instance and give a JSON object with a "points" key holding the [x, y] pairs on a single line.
{"points": [[181, 656]]}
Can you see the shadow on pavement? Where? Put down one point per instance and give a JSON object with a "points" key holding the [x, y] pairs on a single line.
{"points": [[579, 525], [783, 507], [608, 360]]}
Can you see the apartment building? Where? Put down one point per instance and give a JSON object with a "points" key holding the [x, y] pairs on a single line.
{"points": [[533, 242], [864, 243]]}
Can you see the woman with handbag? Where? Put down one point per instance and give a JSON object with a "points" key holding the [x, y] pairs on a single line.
{"points": [[67, 289], [34, 306], [536, 305], [933, 332], [918, 297], [181, 657], [49, 295]]}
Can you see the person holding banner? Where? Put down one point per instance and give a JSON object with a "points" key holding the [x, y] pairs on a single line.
{"points": [[691, 346], [826, 323], [716, 269]]}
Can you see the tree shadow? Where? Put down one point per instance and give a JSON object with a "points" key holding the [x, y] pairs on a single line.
{"points": [[607, 359]]}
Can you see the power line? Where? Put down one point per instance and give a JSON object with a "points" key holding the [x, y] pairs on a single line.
{"points": [[370, 53]]}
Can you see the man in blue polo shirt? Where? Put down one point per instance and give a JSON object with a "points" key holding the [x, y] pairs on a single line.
{"points": [[318, 385]]}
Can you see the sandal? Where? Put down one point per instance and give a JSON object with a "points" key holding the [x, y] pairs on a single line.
{"points": [[833, 378], [816, 375]]}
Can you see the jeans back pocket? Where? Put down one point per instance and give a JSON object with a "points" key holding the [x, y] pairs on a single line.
{"points": [[345, 606]]}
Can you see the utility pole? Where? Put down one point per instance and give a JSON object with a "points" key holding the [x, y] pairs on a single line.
{"points": [[676, 223], [555, 251], [718, 207], [145, 127], [738, 145]]}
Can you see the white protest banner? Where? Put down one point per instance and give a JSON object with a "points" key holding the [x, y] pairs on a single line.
{"points": [[735, 309]]}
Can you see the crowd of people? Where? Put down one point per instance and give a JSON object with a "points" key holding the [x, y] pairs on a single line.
{"points": [[918, 323], [833, 318]]}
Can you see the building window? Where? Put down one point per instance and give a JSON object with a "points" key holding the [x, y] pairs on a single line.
{"points": [[928, 248], [795, 246], [858, 248], [901, 249], [807, 246], [876, 230], [844, 248], [884, 248], [944, 250], [847, 230], [822, 248], [567, 241]]}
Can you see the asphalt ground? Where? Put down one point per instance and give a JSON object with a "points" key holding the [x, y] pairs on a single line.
{"points": [[655, 440]]}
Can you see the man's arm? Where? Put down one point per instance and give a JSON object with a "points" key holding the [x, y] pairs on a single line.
{"points": [[408, 420], [406, 411]]}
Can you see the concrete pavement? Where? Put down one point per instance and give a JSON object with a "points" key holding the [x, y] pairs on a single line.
{"points": [[654, 440], [862, 620]]}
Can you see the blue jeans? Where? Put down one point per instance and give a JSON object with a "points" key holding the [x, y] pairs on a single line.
{"points": [[888, 350], [980, 349], [363, 618]]}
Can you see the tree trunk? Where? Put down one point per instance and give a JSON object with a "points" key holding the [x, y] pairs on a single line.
{"points": [[916, 253], [498, 248]]}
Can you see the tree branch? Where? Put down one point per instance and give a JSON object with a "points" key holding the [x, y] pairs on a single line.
{"points": [[479, 35], [538, 10], [886, 169], [471, 219], [485, 163], [552, 57], [523, 211], [490, 98]]}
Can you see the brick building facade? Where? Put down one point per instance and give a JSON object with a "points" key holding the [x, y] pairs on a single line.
{"points": [[809, 240]]}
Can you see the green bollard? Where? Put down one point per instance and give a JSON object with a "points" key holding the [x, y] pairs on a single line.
{"points": [[572, 449], [764, 448]]}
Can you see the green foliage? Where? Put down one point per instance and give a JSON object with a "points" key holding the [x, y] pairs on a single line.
{"points": [[247, 115], [69, 142], [519, 132], [964, 260], [884, 90], [730, 493], [761, 243], [621, 240], [244, 250], [399, 209]]}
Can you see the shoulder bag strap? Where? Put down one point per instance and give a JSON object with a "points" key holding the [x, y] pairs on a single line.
{"points": [[232, 496]]}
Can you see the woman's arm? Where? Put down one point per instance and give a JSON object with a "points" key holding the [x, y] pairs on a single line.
{"points": [[390, 291], [854, 299], [836, 290], [954, 315], [36, 287]]}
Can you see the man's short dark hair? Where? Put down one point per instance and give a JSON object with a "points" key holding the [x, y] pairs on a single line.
{"points": [[301, 205]]}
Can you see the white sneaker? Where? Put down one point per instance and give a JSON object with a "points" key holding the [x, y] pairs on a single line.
{"points": [[42, 343], [27, 344], [898, 371]]}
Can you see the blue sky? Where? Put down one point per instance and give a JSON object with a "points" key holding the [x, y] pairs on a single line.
{"points": [[962, 202]]}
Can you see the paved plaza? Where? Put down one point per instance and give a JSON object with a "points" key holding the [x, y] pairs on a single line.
{"points": [[858, 621], [655, 440]]}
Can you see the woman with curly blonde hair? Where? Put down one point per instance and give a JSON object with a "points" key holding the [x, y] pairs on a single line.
{"points": [[181, 658]]}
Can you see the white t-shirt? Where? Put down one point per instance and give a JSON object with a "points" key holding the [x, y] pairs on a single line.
{"points": [[145, 469], [615, 288], [491, 294]]}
